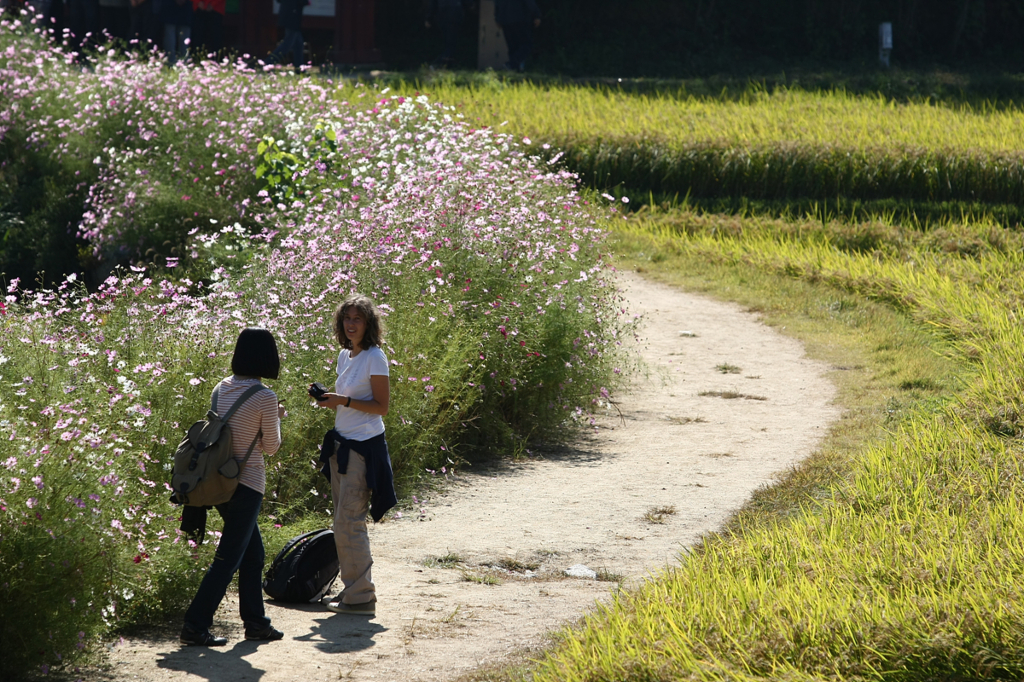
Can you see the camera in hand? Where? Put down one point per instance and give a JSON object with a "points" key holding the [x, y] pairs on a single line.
{"points": [[317, 391]]}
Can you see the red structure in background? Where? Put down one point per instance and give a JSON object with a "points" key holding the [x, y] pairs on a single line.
{"points": [[347, 38], [354, 32]]}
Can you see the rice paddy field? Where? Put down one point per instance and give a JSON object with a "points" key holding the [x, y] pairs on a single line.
{"points": [[906, 564], [903, 560], [766, 145]]}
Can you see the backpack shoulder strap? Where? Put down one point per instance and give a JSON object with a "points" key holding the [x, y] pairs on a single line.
{"points": [[250, 392], [248, 453], [287, 549]]}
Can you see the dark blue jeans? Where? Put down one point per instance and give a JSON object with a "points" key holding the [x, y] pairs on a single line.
{"points": [[292, 44], [240, 550], [519, 39]]}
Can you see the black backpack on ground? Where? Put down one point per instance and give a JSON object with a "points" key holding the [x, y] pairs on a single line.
{"points": [[305, 568]]}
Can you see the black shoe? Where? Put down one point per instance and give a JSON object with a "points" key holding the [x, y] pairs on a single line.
{"points": [[190, 637], [267, 634]]}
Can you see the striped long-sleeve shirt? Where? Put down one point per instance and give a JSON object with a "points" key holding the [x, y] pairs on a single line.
{"points": [[258, 413]]}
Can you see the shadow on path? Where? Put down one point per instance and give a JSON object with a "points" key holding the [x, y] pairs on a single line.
{"points": [[214, 663], [342, 634], [583, 452], [329, 633]]}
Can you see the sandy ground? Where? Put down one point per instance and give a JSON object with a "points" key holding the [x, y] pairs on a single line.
{"points": [[518, 527]]}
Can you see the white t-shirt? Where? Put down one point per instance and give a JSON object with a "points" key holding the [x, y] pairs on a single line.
{"points": [[354, 380]]}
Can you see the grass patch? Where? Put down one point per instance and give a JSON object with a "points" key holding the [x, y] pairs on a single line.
{"points": [[453, 616], [605, 575], [729, 395], [516, 566], [658, 514], [682, 421], [450, 560], [482, 579], [726, 368], [547, 552]]}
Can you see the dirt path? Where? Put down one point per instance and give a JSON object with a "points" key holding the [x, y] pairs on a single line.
{"points": [[524, 524]]}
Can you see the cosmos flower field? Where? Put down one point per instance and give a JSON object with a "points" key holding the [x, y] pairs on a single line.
{"points": [[221, 196]]}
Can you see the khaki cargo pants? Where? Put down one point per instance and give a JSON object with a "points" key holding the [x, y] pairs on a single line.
{"points": [[351, 503]]}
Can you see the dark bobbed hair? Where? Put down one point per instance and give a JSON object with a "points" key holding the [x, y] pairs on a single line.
{"points": [[256, 354], [368, 309]]}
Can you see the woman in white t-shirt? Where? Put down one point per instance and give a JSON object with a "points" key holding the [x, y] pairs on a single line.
{"points": [[356, 451]]}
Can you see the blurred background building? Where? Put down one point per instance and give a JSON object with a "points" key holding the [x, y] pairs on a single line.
{"points": [[652, 38]]}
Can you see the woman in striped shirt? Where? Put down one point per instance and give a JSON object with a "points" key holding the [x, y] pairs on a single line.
{"points": [[255, 423]]}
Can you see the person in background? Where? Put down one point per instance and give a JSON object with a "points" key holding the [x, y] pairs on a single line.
{"points": [[517, 19], [177, 18], [208, 26], [354, 454], [289, 17], [256, 428], [446, 15]]}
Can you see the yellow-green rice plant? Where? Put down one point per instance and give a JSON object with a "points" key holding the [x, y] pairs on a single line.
{"points": [[911, 568], [893, 583], [785, 144]]}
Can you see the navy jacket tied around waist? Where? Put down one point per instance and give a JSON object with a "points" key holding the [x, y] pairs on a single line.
{"points": [[379, 477]]}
